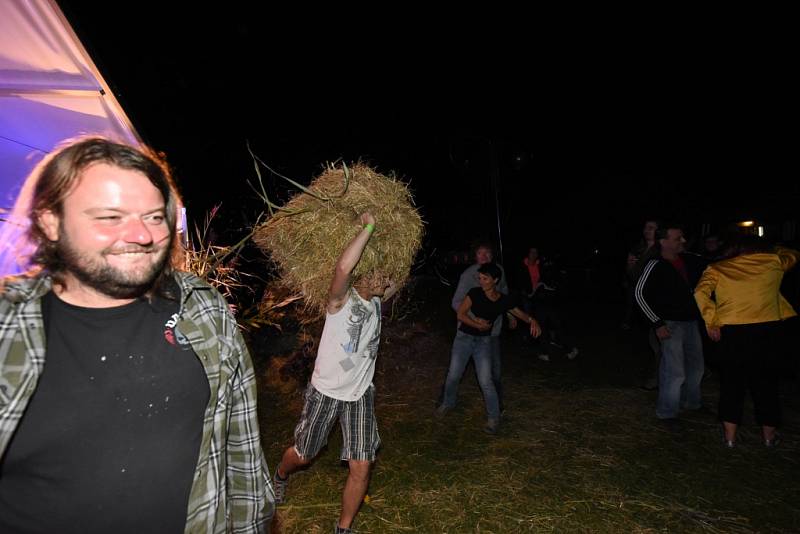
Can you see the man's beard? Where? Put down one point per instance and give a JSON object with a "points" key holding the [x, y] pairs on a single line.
{"points": [[109, 280]]}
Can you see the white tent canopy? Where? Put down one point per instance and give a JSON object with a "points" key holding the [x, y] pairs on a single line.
{"points": [[50, 90]]}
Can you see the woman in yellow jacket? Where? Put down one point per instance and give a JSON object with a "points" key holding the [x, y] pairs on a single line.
{"points": [[742, 307]]}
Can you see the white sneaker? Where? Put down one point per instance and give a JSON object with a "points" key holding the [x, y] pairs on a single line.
{"points": [[573, 353], [544, 357]]}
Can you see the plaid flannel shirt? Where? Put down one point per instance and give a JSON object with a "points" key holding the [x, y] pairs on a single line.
{"points": [[231, 489]]}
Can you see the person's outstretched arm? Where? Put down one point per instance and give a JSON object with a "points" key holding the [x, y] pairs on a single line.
{"points": [[536, 330]]}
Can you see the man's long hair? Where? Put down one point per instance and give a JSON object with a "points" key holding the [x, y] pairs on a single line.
{"points": [[56, 176], [491, 269]]}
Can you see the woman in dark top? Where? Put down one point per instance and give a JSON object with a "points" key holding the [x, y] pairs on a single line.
{"points": [[477, 313]]}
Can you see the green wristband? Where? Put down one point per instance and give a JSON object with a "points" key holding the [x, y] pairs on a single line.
{"points": [[369, 227]]}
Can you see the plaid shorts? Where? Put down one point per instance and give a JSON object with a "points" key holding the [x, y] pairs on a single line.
{"points": [[360, 439]]}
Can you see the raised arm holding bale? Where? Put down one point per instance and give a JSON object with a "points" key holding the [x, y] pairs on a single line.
{"points": [[340, 285]]}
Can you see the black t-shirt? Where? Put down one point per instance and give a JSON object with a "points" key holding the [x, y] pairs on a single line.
{"points": [[110, 439], [484, 308]]}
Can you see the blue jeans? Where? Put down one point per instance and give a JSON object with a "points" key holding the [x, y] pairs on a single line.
{"points": [[466, 346], [681, 370], [496, 369]]}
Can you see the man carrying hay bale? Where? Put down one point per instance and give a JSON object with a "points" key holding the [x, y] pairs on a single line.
{"points": [[311, 238], [341, 386]]}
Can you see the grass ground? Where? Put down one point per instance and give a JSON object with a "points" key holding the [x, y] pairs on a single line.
{"points": [[579, 450]]}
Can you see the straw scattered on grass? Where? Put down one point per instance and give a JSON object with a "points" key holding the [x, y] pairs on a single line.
{"points": [[567, 459]]}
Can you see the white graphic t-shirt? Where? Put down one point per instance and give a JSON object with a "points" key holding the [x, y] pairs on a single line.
{"points": [[348, 348]]}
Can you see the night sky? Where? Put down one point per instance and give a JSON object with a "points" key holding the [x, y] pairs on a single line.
{"points": [[585, 140]]}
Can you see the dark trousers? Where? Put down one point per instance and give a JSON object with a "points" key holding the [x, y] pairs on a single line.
{"points": [[544, 307], [651, 377], [750, 360]]}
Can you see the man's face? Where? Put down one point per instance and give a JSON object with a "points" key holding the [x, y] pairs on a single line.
{"points": [[376, 284], [483, 255], [112, 234], [674, 242], [712, 244], [533, 255]]}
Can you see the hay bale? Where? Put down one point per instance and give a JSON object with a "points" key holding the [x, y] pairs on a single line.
{"points": [[306, 238]]}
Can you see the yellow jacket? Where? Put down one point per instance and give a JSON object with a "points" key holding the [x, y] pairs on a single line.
{"points": [[746, 289]]}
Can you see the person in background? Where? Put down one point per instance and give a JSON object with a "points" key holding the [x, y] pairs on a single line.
{"points": [[712, 249], [540, 300], [664, 294], [642, 252], [477, 313], [484, 253], [742, 307]]}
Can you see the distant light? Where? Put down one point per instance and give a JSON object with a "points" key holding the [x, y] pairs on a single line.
{"points": [[746, 223], [760, 231]]}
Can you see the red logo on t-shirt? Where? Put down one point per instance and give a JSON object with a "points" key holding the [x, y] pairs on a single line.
{"points": [[170, 336], [173, 335]]}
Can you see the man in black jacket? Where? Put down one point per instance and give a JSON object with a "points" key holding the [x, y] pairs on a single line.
{"points": [[664, 293]]}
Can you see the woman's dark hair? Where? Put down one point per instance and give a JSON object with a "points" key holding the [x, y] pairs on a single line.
{"points": [[751, 244], [491, 269]]}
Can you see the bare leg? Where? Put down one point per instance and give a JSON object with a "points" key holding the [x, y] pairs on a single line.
{"points": [[354, 490], [290, 463], [730, 430]]}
